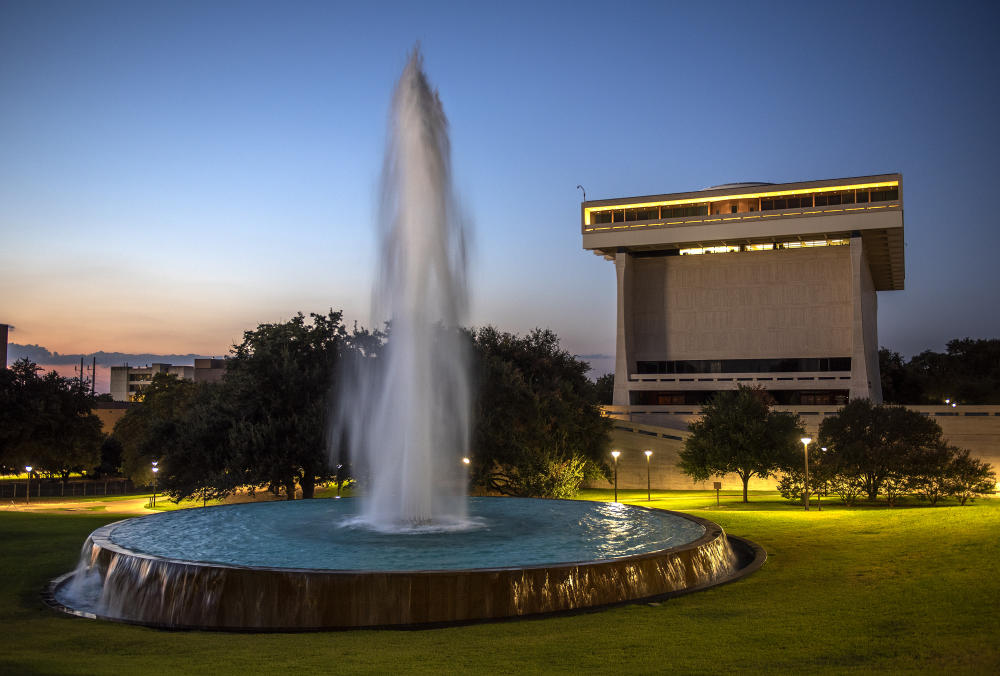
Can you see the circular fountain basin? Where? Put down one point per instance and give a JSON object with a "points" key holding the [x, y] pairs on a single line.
{"points": [[307, 564]]}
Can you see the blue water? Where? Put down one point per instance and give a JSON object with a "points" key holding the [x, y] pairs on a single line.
{"points": [[503, 532]]}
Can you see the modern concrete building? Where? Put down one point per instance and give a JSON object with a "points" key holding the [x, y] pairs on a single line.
{"points": [[128, 381], [761, 284]]}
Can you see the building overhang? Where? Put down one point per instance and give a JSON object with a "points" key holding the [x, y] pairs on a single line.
{"points": [[878, 223]]}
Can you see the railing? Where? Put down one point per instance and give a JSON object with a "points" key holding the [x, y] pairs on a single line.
{"points": [[746, 216], [46, 488]]}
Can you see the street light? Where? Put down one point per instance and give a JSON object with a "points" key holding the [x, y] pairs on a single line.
{"points": [[27, 493], [155, 470], [615, 454], [648, 453], [805, 489]]}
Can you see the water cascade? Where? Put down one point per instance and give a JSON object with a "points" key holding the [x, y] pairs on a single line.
{"points": [[406, 421]]}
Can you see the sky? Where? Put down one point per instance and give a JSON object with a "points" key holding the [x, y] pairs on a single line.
{"points": [[174, 173]]}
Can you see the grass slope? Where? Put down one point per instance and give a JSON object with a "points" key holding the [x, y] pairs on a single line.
{"points": [[844, 591]]}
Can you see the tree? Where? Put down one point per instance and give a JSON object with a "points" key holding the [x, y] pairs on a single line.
{"points": [[148, 427], [969, 477], [605, 388], [899, 383], [46, 421], [929, 471], [876, 443], [740, 433], [264, 425], [539, 430]]}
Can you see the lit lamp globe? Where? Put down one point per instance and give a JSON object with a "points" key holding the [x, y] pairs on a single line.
{"points": [[649, 495], [615, 454]]}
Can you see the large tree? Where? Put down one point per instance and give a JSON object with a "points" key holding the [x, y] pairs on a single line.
{"points": [[739, 432], [152, 423], [879, 444], [264, 425], [46, 422], [539, 430]]}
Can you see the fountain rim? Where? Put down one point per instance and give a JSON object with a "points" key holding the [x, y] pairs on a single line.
{"points": [[102, 537], [750, 557]]}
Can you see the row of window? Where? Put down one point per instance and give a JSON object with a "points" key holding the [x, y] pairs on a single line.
{"points": [[734, 206], [762, 246], [800, 365], [697, 398]]}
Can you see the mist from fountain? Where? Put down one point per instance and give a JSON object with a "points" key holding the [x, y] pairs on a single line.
{"points": [[406, 415]]}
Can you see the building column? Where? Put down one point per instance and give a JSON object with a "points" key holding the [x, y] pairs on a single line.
{"points": [[623, 336], [866, 382]]}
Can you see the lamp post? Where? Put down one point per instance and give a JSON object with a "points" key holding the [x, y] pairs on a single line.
{"points": [[819, 496], [805, 488], [155, 470], [648, 496], [615, 454], [465, 463], [27, 493]]}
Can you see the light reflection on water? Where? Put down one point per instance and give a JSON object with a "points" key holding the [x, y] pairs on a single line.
{"points": [[323, 534]]}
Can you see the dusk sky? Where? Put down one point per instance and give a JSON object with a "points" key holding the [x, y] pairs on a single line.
{"points": [[172, 174]]}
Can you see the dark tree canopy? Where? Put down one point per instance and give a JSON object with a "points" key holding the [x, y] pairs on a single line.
{"points": [[605, 387], [153, 423], [967, 372], [46, 422], [878, 443], [539, 430], [739, 432], [264, 425]]}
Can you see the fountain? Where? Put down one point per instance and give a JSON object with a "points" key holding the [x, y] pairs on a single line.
{"points": [[414, 550]]}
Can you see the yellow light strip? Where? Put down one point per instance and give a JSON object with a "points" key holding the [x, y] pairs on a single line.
{"points": [[725, 198], [735, 218]]}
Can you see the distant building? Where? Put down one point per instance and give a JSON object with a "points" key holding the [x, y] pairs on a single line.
{"points": [[209, 370], [127, 382], [750, 283]]}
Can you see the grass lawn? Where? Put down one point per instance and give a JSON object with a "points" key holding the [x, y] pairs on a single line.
{"points": [[911, 589]]}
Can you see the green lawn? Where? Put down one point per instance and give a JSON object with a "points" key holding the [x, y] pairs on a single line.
{"points": [[844, 590]]}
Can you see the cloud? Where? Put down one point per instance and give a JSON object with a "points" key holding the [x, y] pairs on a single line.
{"points": [[41, 355]]}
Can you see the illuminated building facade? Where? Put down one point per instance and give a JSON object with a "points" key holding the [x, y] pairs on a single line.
{"points": [[128, 382], [772, 285]]}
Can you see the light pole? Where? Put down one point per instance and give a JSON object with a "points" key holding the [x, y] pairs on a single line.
{"points": [[465, 462], [819, 495], [155, 470], [805, 488], [648, 453], [615, 454], [27, 493]]}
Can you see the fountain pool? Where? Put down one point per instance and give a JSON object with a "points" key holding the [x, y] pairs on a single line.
{"points": [[310, 565]]}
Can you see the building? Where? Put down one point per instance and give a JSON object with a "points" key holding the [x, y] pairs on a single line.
{"points": [[771, 285], [3, 345], [209, 370], [127, 382]]}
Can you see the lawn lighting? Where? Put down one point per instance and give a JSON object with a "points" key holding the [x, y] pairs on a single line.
{"points": [[155, 470], [805, 488], [648, 454], [27, 493], [615, 454]]}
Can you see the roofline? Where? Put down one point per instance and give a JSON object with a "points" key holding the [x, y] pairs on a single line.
{"points": [[775, 187]]}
